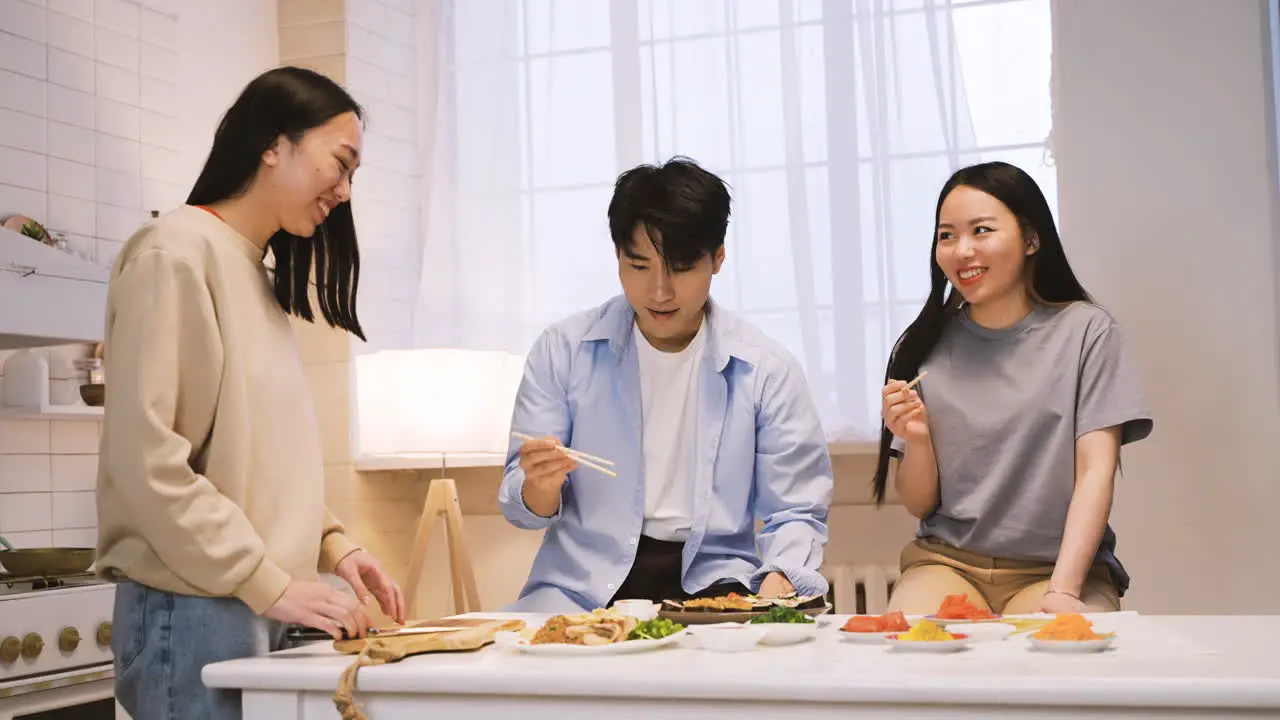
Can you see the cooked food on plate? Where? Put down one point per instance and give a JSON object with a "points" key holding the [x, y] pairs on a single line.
{"points": [[958, 607], [928, 631], [781, 614], [601, 627], [655, 629], [598, 627], [889, 622], [733, 602], [1071, 627]]}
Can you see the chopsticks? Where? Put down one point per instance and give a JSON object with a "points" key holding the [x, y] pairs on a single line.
{"points": [[591, 461], [1025, 625], [913, 383]]}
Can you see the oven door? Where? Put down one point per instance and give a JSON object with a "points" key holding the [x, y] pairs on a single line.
{"points": [[91, 699]]}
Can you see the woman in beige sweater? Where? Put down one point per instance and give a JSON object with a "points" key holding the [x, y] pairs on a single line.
{"points": [[211, 481]]}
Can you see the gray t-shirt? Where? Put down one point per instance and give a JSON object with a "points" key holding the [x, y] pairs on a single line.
{"points": [[1005, 409]]}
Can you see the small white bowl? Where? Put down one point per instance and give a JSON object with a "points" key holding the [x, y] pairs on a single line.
{"points": [[728, 637], [787, 633], [641, 610]]}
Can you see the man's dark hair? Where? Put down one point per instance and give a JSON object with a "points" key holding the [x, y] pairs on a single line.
{"points": [[683, 208]]}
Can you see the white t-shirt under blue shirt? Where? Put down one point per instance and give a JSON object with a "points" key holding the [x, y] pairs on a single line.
{"points": [[669, 422]]}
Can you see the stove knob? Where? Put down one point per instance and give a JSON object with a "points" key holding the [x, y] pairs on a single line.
{"points": [[68, 639], [32, 644], [10, 650], [104, 634]]}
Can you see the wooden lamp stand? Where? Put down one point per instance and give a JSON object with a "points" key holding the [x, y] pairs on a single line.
{"points": [[442, 499]]}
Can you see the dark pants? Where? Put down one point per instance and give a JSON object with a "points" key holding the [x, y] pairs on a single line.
{"points": [[655, 575]]}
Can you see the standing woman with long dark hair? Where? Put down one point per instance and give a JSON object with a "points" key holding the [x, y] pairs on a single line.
{"points": [[211, 507], [1007, 450]]}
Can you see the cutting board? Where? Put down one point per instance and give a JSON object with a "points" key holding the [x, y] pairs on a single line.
{"points": [[472, 633], [389, 646]]}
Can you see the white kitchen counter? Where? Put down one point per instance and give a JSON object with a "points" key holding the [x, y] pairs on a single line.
{"points": [[1159, 666]]}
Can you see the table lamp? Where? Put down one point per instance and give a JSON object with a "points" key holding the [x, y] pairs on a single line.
{"points": [[436, 409]]}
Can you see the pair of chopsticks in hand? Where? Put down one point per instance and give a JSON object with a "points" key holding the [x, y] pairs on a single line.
{"points": [[915, 382], [582, 458], [597, 463]]}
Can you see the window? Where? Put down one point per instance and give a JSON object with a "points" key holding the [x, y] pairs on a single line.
{"points": [[835, 122]]}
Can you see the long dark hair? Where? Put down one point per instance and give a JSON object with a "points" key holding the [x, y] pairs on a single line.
{"points": [[289, 101], [1049, 277]]}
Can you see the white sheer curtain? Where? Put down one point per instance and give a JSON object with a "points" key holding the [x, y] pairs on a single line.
{"points": [[834, 121]]}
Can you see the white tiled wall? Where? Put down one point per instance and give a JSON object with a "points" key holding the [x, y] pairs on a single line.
{"points": [[90, 112], [381, 62], [48, 470]]}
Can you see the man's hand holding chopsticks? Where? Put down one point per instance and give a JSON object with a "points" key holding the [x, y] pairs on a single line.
{"points": [[546, 467]]}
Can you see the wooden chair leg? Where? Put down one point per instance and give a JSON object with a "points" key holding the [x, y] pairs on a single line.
{"points": [[442, 500]]}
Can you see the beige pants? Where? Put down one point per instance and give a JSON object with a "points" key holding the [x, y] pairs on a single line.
{"points": [[932, 570]]}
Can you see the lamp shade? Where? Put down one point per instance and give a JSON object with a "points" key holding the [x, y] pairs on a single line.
{"points": [[446, 401]]}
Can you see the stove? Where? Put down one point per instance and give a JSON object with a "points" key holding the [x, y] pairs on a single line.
{"points": [[54, 632], [55, 647]]}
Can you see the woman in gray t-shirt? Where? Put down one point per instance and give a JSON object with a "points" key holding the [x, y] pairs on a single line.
{"points": [[1007, 449]]}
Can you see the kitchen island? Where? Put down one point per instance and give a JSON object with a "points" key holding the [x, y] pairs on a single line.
{"points": [[1159, 666]]}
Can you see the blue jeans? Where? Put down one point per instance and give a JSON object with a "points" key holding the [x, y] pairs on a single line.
{"points": [[162, 641]]}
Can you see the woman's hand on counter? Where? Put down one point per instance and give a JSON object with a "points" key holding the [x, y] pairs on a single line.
{"points": [[366, 577], [320, 606]]}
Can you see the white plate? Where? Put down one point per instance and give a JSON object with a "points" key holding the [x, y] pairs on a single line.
{"points": [[927, 646], [517, 642], [787, 633], [864, 638], [1072, 646]]}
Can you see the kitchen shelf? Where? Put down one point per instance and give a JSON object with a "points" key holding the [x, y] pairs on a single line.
{"points": [[49, 297], [51, 412]]}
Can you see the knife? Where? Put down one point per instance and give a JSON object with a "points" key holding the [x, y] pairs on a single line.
{"points": [[306, 634]]}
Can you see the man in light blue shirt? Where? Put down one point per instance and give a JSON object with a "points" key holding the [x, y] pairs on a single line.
{"points": [[708, 422]]}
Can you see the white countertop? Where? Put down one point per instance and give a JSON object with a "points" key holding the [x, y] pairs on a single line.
{"points": [[1156, 661]]}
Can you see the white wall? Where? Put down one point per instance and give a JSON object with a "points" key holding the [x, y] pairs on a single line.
{"points": [[108, 106], [1273, 85], [79, 83], [382, 61], [1166, 185], [224, 45], [48, 472], [107, 109]]}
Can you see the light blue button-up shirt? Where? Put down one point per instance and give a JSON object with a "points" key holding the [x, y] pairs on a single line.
{"points": [[761, 453]]}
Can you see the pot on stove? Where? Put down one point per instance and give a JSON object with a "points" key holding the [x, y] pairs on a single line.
{"points": [[46, 561]]}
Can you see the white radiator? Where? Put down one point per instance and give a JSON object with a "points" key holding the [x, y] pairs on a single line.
{"points": [[861, 589]]}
